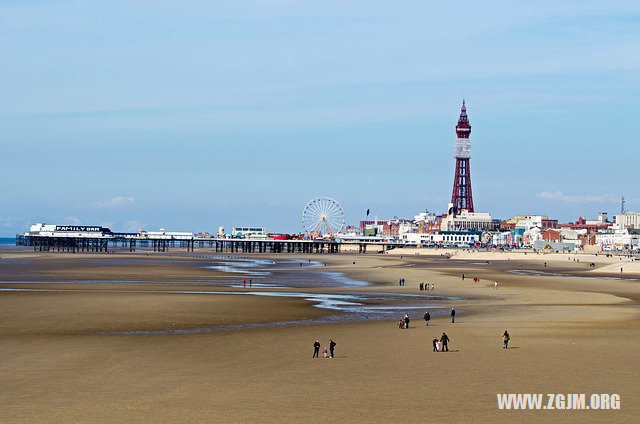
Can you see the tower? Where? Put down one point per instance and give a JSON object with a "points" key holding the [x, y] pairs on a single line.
{"points": [[461, 198]]}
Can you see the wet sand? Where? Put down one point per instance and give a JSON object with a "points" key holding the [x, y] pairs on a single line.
{"points": [[570, 334]]}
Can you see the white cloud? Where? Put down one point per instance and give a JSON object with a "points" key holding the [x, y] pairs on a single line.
{"points": [[74, 220], [133, 226], [115, 202], [573, 198]]}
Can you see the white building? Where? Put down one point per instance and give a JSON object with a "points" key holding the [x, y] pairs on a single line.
{"points": [[405, 227], [531, 222], [628, 220], [468, 221], [249, 232], [501, 239], [532, 235], [166, 235], [52, 230], [619, 239], [572, 236], [425, 217], [444, 238]]}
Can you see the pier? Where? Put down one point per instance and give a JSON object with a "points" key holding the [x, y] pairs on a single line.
{"points": [[106, 243]]}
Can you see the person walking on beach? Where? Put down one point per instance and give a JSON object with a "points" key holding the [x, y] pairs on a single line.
{"points": [[495, 285], [436, 342], [421, 286], [433, 287], [453, 315], [324, 353], [462, 277], [400, 282], [427, 317], [250, 281], [316, 349], [332, 346], [444, 340], [406, 320], [505, 340], [244, 282]]}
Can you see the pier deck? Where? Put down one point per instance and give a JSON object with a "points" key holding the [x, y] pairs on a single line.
{"points": [[105, 243]]}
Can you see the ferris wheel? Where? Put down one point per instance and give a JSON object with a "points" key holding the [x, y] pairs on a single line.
{"points": [[323, 215]]}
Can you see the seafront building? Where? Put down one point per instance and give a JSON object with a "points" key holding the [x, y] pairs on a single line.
{"points": [[591, 225], [618, 239], [628, 220], [469, 221], [528, 221]]}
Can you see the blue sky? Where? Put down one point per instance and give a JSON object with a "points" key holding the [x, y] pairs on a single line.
{"points": [[194, 114]]}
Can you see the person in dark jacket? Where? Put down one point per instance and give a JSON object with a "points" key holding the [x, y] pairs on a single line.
{"points": [[505, 340], [453, 315], [406, 321], [332, 345], [444, 340], [427, 317], [316, 349]]}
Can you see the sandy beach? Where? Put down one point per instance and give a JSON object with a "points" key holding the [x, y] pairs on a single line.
{"points": [[131, 337]]}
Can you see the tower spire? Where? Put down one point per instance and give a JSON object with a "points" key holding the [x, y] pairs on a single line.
{"points": [[463, 129]]}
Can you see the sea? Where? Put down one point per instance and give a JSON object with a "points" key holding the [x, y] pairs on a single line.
{"points": [[7, 242]]}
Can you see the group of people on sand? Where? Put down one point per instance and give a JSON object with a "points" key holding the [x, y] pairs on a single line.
{"points": [[425, 286], [477, 280], [404, 322], [316, 349], [440, 345]]}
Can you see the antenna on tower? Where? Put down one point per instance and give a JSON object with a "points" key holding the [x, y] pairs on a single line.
{"points": [[622, 205]]}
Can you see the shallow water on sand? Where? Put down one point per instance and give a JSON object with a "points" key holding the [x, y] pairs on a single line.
{"points": [[281, 273], [538, 273], [353, 306], [270, 274]]}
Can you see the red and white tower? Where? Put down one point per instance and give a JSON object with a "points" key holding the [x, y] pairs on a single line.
{"points": [[461, 198]]}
